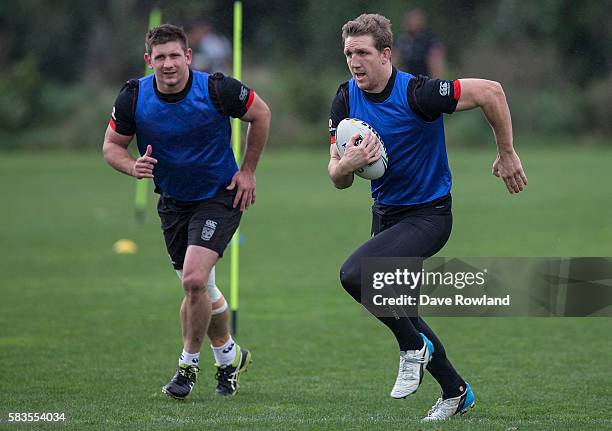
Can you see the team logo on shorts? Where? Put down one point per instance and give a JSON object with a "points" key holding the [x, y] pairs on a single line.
{"points": [[208, 230]]}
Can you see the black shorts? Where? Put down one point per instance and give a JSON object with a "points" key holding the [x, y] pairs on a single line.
{"points": [[425, 227], [400, 231], [408, 231], [209, 223]]}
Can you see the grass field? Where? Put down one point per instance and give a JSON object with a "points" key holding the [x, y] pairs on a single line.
{"points": [[95, 335]]}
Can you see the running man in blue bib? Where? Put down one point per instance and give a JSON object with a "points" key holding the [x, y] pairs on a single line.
{"points": [[411, 215], [181, 119]]}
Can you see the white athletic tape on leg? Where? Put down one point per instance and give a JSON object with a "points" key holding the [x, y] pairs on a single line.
{"points": [[220, 309], [213, 291]]}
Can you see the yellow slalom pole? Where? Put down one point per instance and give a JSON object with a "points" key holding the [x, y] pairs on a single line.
{"points": [[142, 187], [236, 140]]}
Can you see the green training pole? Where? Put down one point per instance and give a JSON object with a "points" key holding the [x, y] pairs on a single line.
{"points": [[142, 187], [236, 138]]}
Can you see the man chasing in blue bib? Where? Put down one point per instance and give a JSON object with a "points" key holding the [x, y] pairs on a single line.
{"points": [[181, 119]]}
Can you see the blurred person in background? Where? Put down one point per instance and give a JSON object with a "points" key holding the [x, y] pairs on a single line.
{"points": [[212, 52], [418, 50], [181, 119]]}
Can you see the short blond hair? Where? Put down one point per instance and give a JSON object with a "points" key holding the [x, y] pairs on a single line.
{"points": [[373, 24]]}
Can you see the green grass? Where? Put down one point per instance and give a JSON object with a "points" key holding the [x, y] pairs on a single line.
{"points": [[95, 335]]}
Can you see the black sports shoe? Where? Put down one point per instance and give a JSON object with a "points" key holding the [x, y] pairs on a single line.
{"points": [[228, 375], [182, 383]]}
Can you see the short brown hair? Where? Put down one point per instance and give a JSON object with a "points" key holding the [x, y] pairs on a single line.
{"points": [[163, 34], [370, 23]]}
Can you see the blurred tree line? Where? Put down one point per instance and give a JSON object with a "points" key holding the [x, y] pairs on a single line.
{"points": [[63, 61]]}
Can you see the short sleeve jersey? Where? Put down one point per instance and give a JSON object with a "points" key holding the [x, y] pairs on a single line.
{"points": [[229, 96], [428, 99], [189, 131]]}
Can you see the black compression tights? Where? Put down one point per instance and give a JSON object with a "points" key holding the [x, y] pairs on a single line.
{"points": [[422, 234]]}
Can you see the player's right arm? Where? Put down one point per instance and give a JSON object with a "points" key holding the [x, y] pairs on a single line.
{"points": [[341, 169], [120, 132], [116, 154], [339, 174]]}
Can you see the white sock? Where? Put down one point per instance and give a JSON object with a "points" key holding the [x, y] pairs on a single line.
{"points": [[225, 355], [189, 358]]}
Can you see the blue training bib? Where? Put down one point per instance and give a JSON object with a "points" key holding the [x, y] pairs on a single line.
{"points": [[418, 169], [191, 141]]}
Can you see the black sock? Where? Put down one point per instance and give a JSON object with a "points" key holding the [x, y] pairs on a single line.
{"points": [[451, 383], [406, 335], [440, 367]]}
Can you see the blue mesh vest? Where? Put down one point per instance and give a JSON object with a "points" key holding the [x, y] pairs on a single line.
{"points": [[418, 169], [190, 140]]}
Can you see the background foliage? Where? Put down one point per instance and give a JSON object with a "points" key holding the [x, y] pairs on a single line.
{"points": [[62, 62]]}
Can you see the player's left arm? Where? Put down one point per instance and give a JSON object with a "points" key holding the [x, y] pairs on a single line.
{"points": [[490, 97], [258, 116], [234, 99]]}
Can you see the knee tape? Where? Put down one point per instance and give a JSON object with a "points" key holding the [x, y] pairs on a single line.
{"points": [[220, 309], [213, 291]]}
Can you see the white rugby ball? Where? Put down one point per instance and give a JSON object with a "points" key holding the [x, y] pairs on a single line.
{"points": [[345, 130]]}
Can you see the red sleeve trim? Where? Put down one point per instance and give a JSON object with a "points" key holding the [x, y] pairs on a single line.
{"points": [[333, 140], [112, 124], [456, 89], [251, 98]]}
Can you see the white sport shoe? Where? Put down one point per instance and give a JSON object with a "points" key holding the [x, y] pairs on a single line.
{"points": [[411, 369], [444, 409]]}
